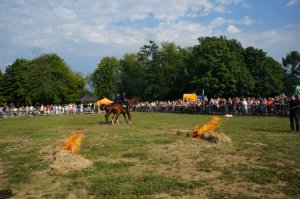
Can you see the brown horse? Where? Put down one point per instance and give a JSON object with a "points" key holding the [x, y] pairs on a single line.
{"points": [[116, 109], [132, 102]]}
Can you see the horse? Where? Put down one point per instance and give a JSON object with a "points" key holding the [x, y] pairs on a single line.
{"points": [[117, 109], [132, 102]]}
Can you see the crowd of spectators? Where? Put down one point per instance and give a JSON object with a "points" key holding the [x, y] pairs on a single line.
{"points": [[278, 106], [52, 109], [221, 106]]}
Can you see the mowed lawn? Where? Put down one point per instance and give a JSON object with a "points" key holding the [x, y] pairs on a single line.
{"points": [[142, 160]]}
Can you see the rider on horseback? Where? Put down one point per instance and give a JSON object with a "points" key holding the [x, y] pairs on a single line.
{"points": [[117, 98], [124, 101]]}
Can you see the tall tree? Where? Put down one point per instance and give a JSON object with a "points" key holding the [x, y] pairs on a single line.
{"points": [[150, 59], [2, 100], [15, 81], [291, 63], [132, 75], [245, 81], [46, 79], [174, 70], [53, 80], [215, 67], [267, 73], [106, 78]]}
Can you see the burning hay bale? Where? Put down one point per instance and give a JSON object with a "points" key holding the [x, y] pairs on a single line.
{"points": [[206, 132], [64, 157]]}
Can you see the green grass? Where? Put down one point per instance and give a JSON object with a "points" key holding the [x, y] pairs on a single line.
{"points": [[142, 160]]}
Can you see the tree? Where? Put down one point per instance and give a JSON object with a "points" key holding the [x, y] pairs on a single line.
{"points": [[2, 100], [245, 81], [46, 79], [174, 70], [53, 81], [267, 73], [132, 81], [15, 82], [292, 71], [215, 68], [106, 78], [150, 60]]}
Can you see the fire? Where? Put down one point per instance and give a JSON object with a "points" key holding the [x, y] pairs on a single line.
{"points": [[73, 142], [208, 127]]}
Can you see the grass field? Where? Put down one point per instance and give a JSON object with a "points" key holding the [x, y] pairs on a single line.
{"points": [[140, 160]]}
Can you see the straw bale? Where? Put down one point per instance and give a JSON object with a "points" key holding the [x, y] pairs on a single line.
{"points": [[66, 162], [215, 137], [63, 161], [186, 133]]}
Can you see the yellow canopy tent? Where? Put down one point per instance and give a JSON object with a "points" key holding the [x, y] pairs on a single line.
{"points": [[190, 96], [104, 101]]}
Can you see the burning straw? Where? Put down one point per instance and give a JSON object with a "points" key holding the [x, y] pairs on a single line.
{"points": [[64, 156], [205, 132]]}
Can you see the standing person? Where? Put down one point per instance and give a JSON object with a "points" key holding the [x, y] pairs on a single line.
{"points": [[294, 115]]}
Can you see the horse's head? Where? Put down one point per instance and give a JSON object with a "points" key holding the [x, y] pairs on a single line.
{"points": [[133, 101]]}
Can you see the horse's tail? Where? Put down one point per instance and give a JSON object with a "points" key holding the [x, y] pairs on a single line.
{"points": [[108, 112], [102, 107]]}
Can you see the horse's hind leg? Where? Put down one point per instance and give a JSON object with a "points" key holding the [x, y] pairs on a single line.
{"points": [[106, 116], [125, 117], [113, 119], [116, 118]]}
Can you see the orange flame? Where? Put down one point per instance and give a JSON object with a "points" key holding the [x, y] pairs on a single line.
{"points": [[73, 142], [208, 127]]}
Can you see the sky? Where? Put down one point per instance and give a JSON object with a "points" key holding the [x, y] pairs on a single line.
{"points": [[82, 32]]}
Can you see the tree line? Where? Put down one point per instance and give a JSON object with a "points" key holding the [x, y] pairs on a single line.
{"points": [[216, 65]]}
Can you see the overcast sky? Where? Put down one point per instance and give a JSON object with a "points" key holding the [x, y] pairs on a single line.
{"points": [[83, 31]]}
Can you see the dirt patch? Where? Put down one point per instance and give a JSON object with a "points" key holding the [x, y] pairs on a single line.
{"points": [[63, 161]]}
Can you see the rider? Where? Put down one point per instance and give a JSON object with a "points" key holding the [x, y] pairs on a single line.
{"points": [[124, 100], [117, 98]]}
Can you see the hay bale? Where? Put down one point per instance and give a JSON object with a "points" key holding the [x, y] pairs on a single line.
{"points": [[66, 162], [215, 137], [63, 161], [186, 133], [50, 151]]}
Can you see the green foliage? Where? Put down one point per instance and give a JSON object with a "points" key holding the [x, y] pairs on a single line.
{"points": [[105, 79], [217, 68], [131, 75], [46, 79], [1, 88], [150, 59], [268, 74], [220, 66], [292, 71]]}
